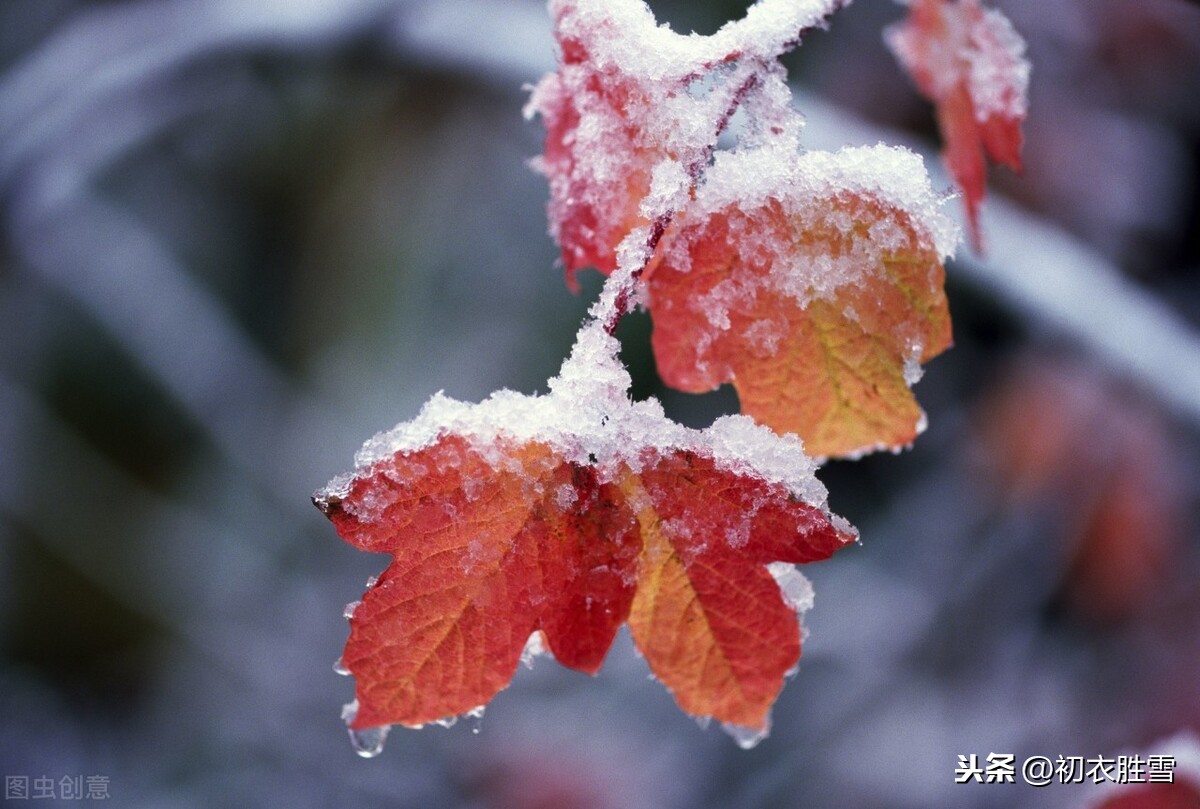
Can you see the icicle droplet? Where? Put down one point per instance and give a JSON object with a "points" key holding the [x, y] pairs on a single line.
{"points": [[368, 742], [703, 721], [446, 721], [476, 715], [339, 667], [348, 611], [744, 736]]}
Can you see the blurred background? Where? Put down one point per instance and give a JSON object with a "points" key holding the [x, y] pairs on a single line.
{"points": [[237, 239]]}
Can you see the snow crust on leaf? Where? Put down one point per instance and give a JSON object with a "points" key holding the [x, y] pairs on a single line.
{"points": [[627, 98], [970, 62], [623, 35], [554, 518], [566, 514], [779, 171], [821, 285], [587, 418], [807, 194], [814, 286]]}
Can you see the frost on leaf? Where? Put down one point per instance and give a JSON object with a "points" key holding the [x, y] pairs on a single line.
{"points": [[630, 95], [969, 61], [569, 514], [811, 281], [816, 290]]}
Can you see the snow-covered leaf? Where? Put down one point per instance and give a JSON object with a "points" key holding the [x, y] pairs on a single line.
{"points": [[970, 62]]}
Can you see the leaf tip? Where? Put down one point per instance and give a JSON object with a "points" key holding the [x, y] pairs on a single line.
{"points": [[326, 503], [748, 737]]}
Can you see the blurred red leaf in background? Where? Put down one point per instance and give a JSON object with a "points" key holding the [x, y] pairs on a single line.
{"points": [[1064, 435]]}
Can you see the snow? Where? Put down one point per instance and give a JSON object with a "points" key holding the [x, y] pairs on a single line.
{"points": [[587, 418], [674, 94], [912, 367], [624, 35], [746, 738], [535, 647], [803, 183], [998, 73], [971, 45], [668, 189], [806, 225], [796, 588]]}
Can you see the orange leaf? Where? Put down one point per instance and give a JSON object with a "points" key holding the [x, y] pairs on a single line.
{"points": [[970, 63], [818, 307], [708, 616]]}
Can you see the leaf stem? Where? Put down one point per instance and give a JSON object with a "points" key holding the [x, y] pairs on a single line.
{"points": [[622, 284]]}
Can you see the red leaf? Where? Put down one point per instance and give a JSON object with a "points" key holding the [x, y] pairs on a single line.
{"points": [[627, 97], [497, 536], [970, 63], [591, 210], [812, 281], [482, 557], [1182, 794], [1107, 462]]}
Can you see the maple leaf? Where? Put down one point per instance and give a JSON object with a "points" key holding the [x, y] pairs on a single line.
{"points": [[567, 515], [629, 95], [818, 294], [969, 61], [812, 281]]}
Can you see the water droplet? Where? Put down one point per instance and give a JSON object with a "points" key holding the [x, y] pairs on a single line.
{"points": [[703, 721], [368, 742], [744, 736], [371, 581], [348, 611], [340, 668], [476, 715]]}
